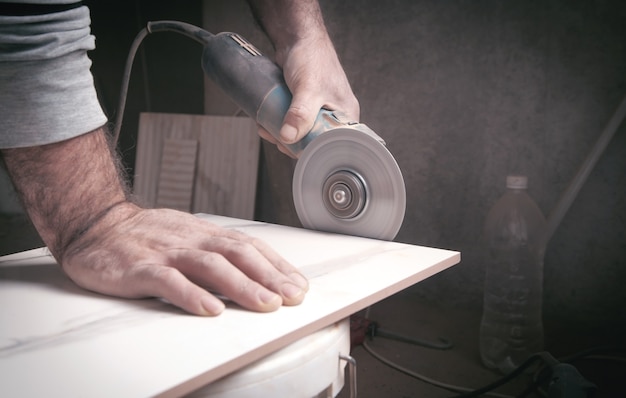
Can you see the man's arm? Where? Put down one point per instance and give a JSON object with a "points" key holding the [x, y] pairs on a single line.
{"points": [[72, 191], [56, 183], [74, 195], [310, 64]]}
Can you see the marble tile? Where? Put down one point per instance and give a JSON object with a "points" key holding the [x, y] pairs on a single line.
{"points": [[59, 340]]}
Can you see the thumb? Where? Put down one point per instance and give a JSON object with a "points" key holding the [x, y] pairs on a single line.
{"points": [[299, 119]]}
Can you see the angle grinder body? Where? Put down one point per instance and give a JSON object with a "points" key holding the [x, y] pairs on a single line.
{"points": [[345, 180]]}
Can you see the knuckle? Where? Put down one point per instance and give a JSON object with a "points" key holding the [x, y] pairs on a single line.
{"points": [[242, 249], [211, 258], [164, 274], [298, 113]]}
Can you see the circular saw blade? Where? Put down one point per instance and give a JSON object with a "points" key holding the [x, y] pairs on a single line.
{"points": [[350, 152]]}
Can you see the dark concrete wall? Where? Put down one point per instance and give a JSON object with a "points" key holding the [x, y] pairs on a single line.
{"points": [[466, 92]]}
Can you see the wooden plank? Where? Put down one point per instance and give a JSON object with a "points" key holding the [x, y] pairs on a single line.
{"points": [[275, 200], [176, 179], [227, 160]]}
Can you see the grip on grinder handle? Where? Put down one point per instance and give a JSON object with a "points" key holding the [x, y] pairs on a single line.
{"points": [[323, 174], [254, 82]]}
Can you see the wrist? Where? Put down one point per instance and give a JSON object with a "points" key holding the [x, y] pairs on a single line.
{"points": [[67, 187], [290, 23], [97, 228], [318, 43]]}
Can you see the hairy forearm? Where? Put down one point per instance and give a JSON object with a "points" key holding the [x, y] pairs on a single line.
{"points": [[289, 21], [66, 187]]}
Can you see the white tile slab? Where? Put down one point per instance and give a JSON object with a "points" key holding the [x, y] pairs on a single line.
{"points": [[59, 340]]}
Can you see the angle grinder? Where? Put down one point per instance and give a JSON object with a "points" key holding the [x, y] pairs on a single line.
{"points": [[345, 179]]}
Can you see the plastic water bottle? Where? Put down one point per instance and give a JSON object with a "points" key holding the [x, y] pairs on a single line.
{"points": [[511, 327]]}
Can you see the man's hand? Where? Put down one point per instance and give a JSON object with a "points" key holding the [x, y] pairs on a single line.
{"points": [[310, 66], [164, 253], [76, 199]]}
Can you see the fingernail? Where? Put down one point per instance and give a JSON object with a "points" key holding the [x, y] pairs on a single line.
{"points": [[291, 291], [288, 133], [299, 280], [267, 297], [211, 305]]}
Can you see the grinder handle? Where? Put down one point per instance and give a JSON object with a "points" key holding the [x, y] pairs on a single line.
{"points": [[256, 84]]}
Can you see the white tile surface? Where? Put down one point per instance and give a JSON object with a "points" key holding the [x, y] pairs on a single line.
{"points": [[59, 340]]}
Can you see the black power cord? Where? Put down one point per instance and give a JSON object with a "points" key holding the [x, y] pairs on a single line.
{"points": [[555, 379], [191, 31], [560, 377], [516, 372]]}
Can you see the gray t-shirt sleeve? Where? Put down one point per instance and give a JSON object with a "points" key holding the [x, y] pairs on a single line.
{"points": [[47, 92]]}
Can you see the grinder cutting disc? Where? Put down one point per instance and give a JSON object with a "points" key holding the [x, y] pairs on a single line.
{"points": [[346, 181]]}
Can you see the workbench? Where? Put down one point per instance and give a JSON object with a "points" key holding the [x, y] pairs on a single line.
{"points": [[59, 340]]}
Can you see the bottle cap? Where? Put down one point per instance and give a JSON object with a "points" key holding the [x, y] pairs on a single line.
{"points": [[517, 182]]}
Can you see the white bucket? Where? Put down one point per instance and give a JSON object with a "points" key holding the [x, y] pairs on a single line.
{"points": [[309, 367]]}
